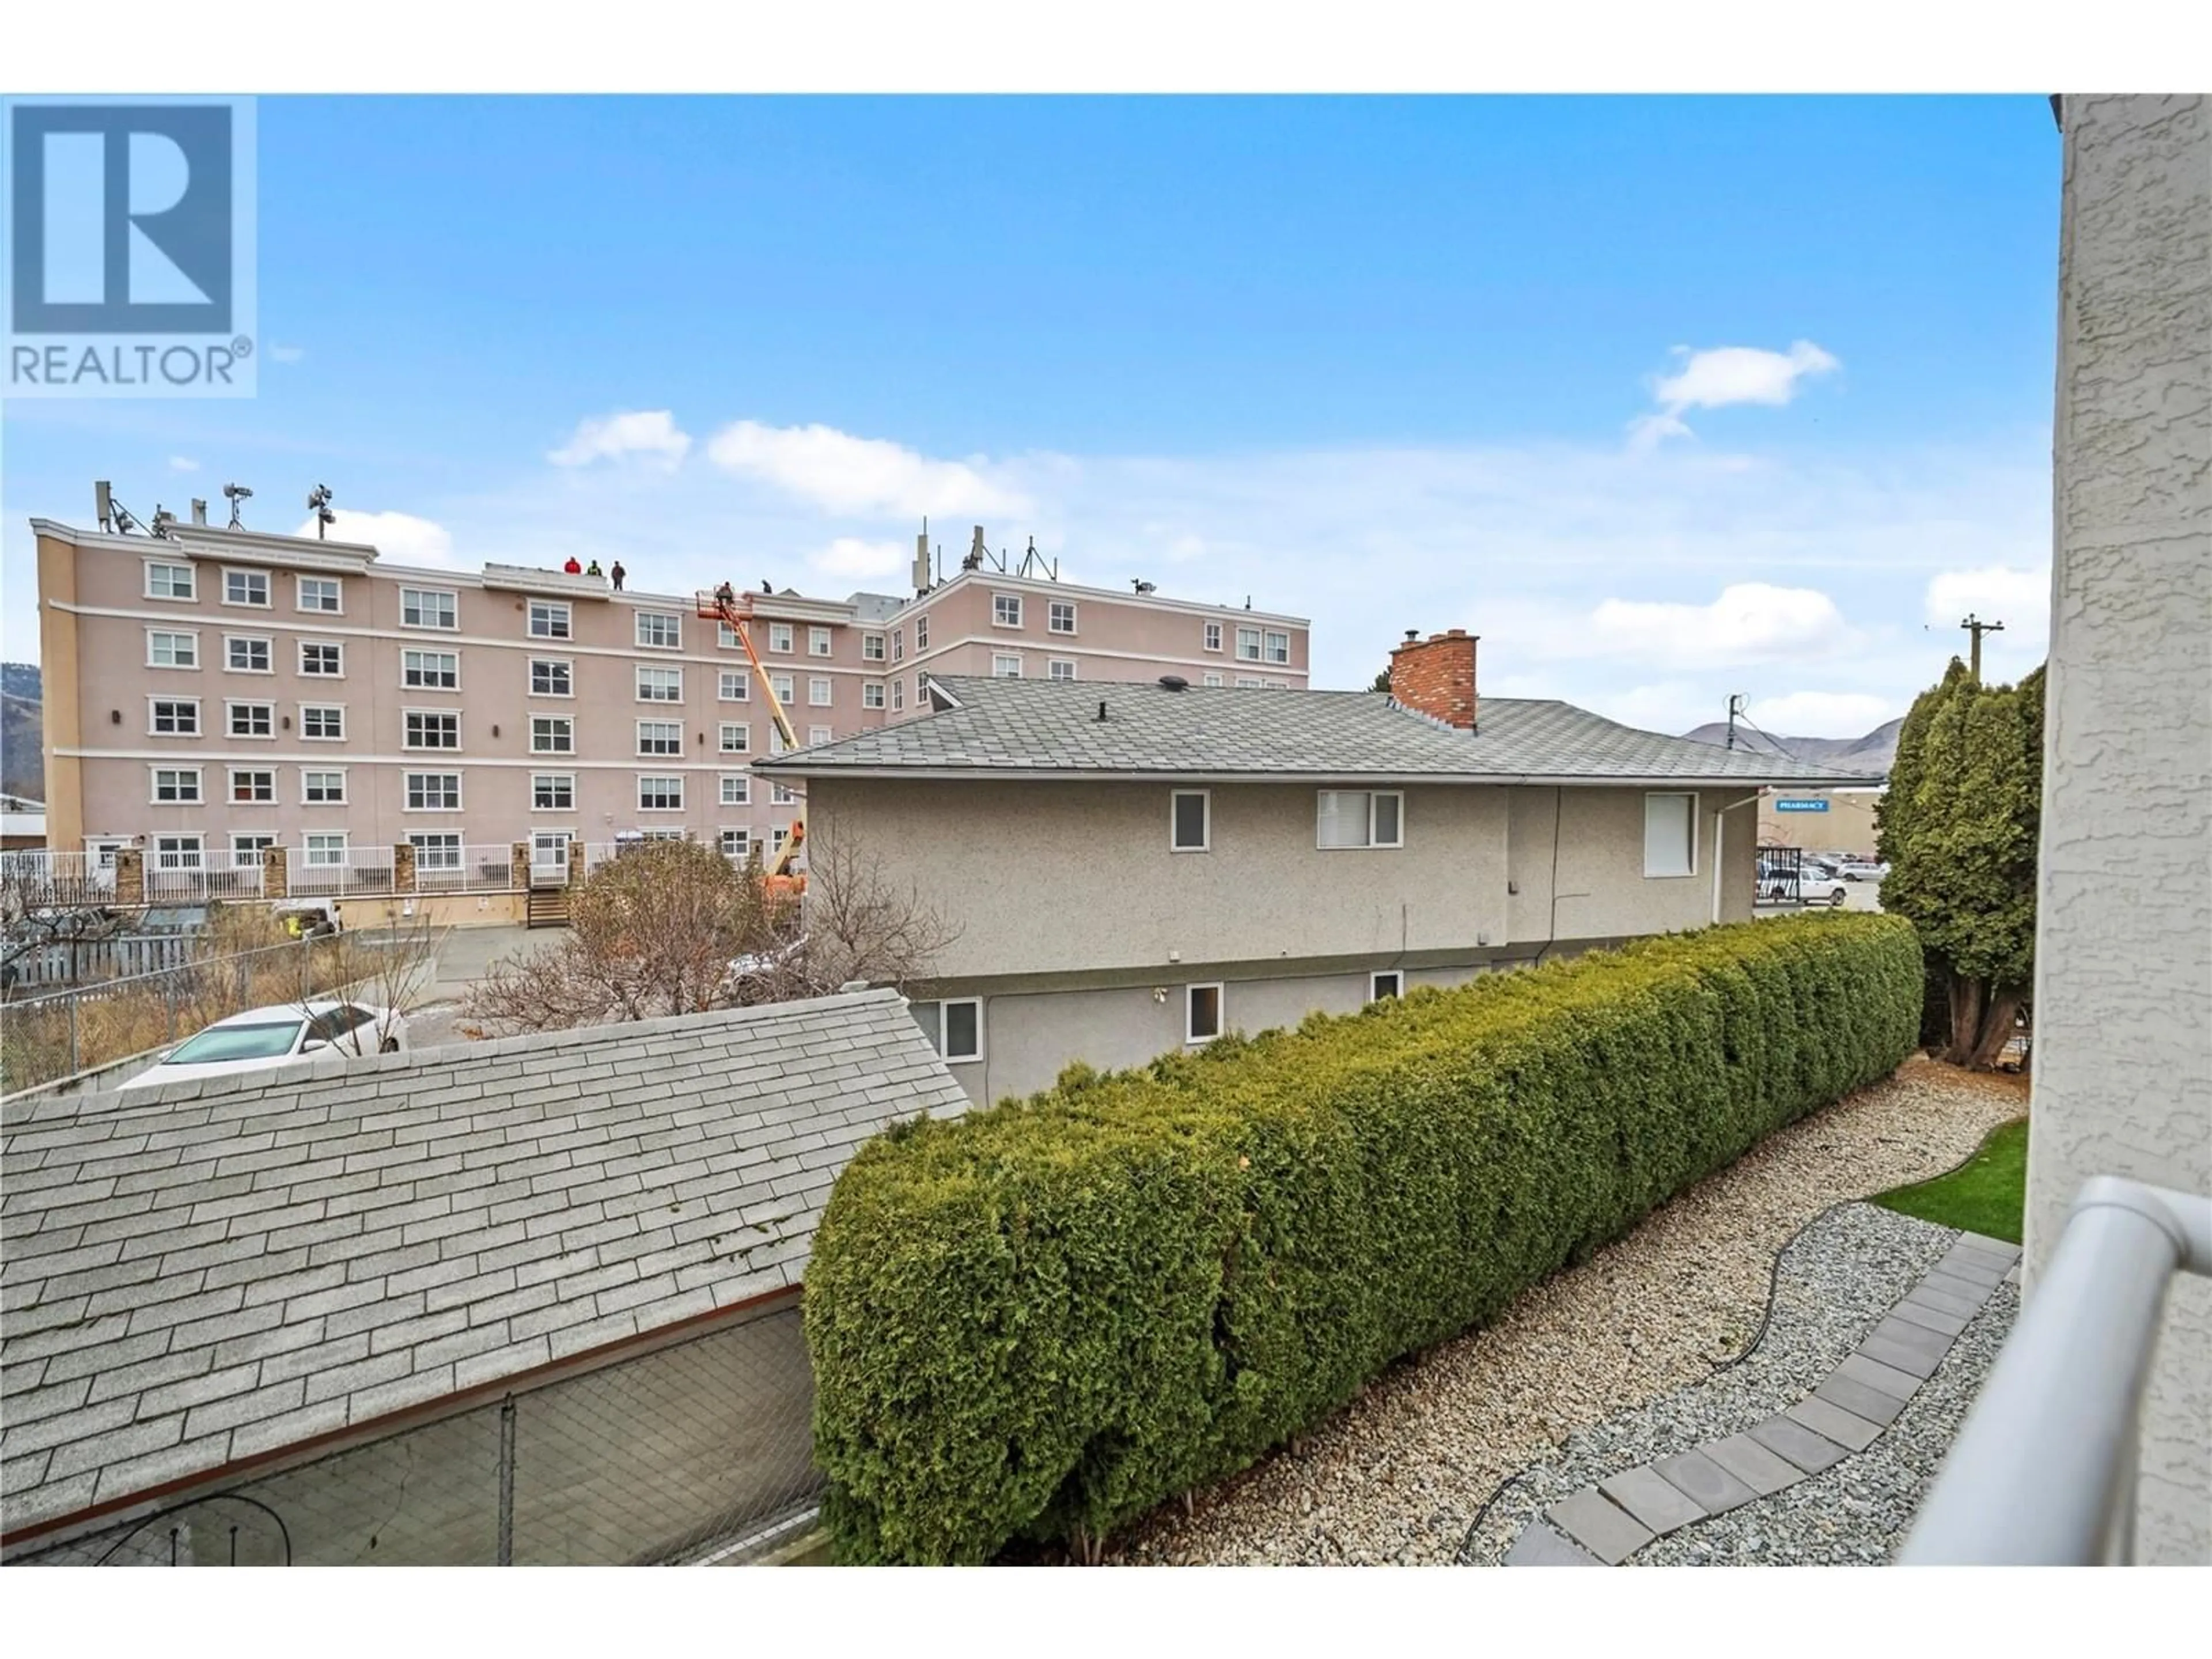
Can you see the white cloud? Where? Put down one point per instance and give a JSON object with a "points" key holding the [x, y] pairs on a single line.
{"points": [[851, 556], [1724, 376], [2021, 600], [1823, 714], [287, 354], [651, 433], [183, 464], [865, 478], [399, 536], [1747, 623]]}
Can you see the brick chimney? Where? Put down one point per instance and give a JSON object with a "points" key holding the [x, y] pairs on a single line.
{"points": [[1435, 676]]}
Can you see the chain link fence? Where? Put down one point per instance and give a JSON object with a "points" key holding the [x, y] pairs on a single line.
{"points": [[700, 1449]]}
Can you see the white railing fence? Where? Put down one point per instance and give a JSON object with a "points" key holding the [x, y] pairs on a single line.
{"points": [[357, 870], [464, 869], [39, 879]]}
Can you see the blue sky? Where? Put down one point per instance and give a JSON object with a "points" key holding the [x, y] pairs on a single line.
{"points": [[1666, 398]]}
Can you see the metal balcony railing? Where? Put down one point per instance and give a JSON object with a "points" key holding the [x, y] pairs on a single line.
{"points": [[2044, 1473]]}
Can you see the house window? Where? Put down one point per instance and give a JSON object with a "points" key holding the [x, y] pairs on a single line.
{"points": [[427, 729], [737, 737], [898, 693], [430, 607], [1670, 834], [322, 789], [327, 661], [441, 851], [550, 620], [1359, 817], [954, 1028], [1277, 647], [1201, 1012], [660, 686], [817, 642], [253, 786], [780, 794], [785, 687], [659, 794], [1060, 616], [1389, 983], [1005, 610], [177, 785], [1004, 667], [246, 653], [326, 850], [736, 789], [779, 636], [1213, 636], [1213, 679], [1190, 825], [170, 582], [430, 671], [552, 734], [734, 685], [433, 791], [174, 717], [552, 791], [1060, 668], [246, 588], [872, 694], [322, 722], [922, 633], [178, 852], [1248, 645], [320, 594], [249, 852], [552, 677], [252, 720], [818, 735], [659, 738], [872, 647], [659, 630], [819, 691]]}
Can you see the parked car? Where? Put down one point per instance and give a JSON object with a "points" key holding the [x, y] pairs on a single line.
{"points": [[261, 1037], [1860, 869], [1819, 884]]}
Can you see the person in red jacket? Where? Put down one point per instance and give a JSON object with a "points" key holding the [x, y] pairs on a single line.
{"points": [[572, 567]]}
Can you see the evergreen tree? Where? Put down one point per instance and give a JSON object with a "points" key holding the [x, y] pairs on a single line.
{"points": [[1382, 682]]}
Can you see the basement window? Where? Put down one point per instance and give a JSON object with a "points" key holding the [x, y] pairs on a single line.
{"points": [[954, 1028], [1201, 1012], [1359, 817], [1670, 834], [1190, 824], [1388, 983]]}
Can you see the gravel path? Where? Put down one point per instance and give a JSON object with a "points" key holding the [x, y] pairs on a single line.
{"points": [[1398, 1475]]}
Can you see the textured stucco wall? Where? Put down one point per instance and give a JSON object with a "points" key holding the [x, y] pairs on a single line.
{"points": [[2124, 950]]}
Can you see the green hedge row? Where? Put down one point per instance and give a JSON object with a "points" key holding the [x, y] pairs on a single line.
{"points": [[1046, 1318]]}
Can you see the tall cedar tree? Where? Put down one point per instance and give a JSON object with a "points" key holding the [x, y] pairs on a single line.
{"points": [[1957, 828]]}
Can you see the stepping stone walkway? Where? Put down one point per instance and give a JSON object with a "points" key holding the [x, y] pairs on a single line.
{"points": [[1605, 1524]]}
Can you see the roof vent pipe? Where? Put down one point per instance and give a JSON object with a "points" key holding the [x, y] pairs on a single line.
{"points": [[1101, 709]]}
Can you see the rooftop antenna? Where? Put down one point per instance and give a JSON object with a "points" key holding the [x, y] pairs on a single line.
{"points": [[164, 521], [235, 493], [1142, 585], [974, 559], [1975, 626], [318, 503], [102, 503]]}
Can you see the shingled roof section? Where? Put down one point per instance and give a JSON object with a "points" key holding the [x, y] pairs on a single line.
{"points": [[1051, 728], [212, 1270]]}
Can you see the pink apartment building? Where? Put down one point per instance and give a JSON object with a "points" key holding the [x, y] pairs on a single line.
{"points": [[211, 693]]}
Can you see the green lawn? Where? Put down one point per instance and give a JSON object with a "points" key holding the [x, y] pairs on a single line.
{"points": [[1983, 1195]]}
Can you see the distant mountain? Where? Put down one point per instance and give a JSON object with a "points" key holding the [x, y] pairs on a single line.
{"points": [[22, 731], [1874, 752]]}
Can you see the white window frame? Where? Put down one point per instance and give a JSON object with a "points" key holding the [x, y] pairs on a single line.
{"points": [[1191, 1037], [308, 774], [450, 840], [898, 694], [562, 668], [872, 694], [1251, 635], [408, 791], [786, 688], [555, 726], [1690, 796], [1005, 610], [1052, 665], [322, 708], [742, 795], [246, 841], [1397, 978], [300, 596], [818, 735], [676, 778], [268, 644], [230, 708], [820, 643], [197, 798], [1205, 820], [231, 775], [1250, 682], [316, 847], [190, 851], [921, 635], [407, 742], [671, 677], [998, 661], [872, 647], [153, 723], [306, 645], [941, 1044], [734, 685], [1370, 845], [556, 784], [1052, 609], [783, 638], [1271, 640], [780, 793], [190, 596], [674, 640], [425, 652], [670, 732], [415, 598], [743, 851], [740, 730], [1213, 636], [821, 691], [172, 634], [1213, 679], [266, 602], [557, 615]]}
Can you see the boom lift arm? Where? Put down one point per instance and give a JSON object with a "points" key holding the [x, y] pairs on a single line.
{"points": [[733, 609]]}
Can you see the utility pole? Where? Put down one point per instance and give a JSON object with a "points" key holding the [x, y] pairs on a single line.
{"points": [[1735, 707], [1975, 626]]}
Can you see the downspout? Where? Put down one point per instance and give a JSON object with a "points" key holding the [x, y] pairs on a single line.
{"points": [[1720, 844]]}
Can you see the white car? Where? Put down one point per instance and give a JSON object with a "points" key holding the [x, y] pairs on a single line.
{"points": [[1854, 869], [1819, 885], [261, 1037]]}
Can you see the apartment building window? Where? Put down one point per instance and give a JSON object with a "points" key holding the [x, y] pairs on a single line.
{"points": [[252, 719], [170, 582], [322, 722], [898, 640], [777, 745], [1213, 679], [725, 636], [736, 789], [1201, 1012], [433, 791], [1005, 610], [1248, 645], [1670, 834], [734, 685], [429, 729], [737, 845], [179, 852], [1274, 685], [659, 738], [173, 717], [325, 849], [779, 636], [818, 735], [954, 1028], [249, 587], [777, 838], [922, 633], [659, 630], [872, 647], [247, 653], [782, 794], [552, 734], [1060, 668], [249, 852], [1213, 636], [785, 687], [1190, 821], [553, 792], [1004, 667], [819, 691], [1359, 817], [659, 794], [177, 786], [430, 607], [1250, 682], [817, 642], [327, 661], [320, 594], [430, 671], [872, 694], [552, 677], [898, 694], [1277, 647], [441, 851], [660, 686], [736, 736], [1060, 616], [1390, 982], [169, 650], [323, 788], [253, 786], [550, 620]]}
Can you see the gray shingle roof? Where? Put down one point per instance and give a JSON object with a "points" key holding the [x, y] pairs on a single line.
{"points": [[1038, 728], [201, 1272]]}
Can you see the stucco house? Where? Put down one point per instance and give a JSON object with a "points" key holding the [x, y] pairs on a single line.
{"points": [[1137, 867]]}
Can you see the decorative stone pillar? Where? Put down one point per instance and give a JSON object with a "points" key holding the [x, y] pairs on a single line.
{"points": [[402, 866], [518, 867], [129, 875], [275, 873], [576, 861]]}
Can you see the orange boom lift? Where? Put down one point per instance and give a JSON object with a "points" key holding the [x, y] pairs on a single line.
{"points": [[726, 606]]}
